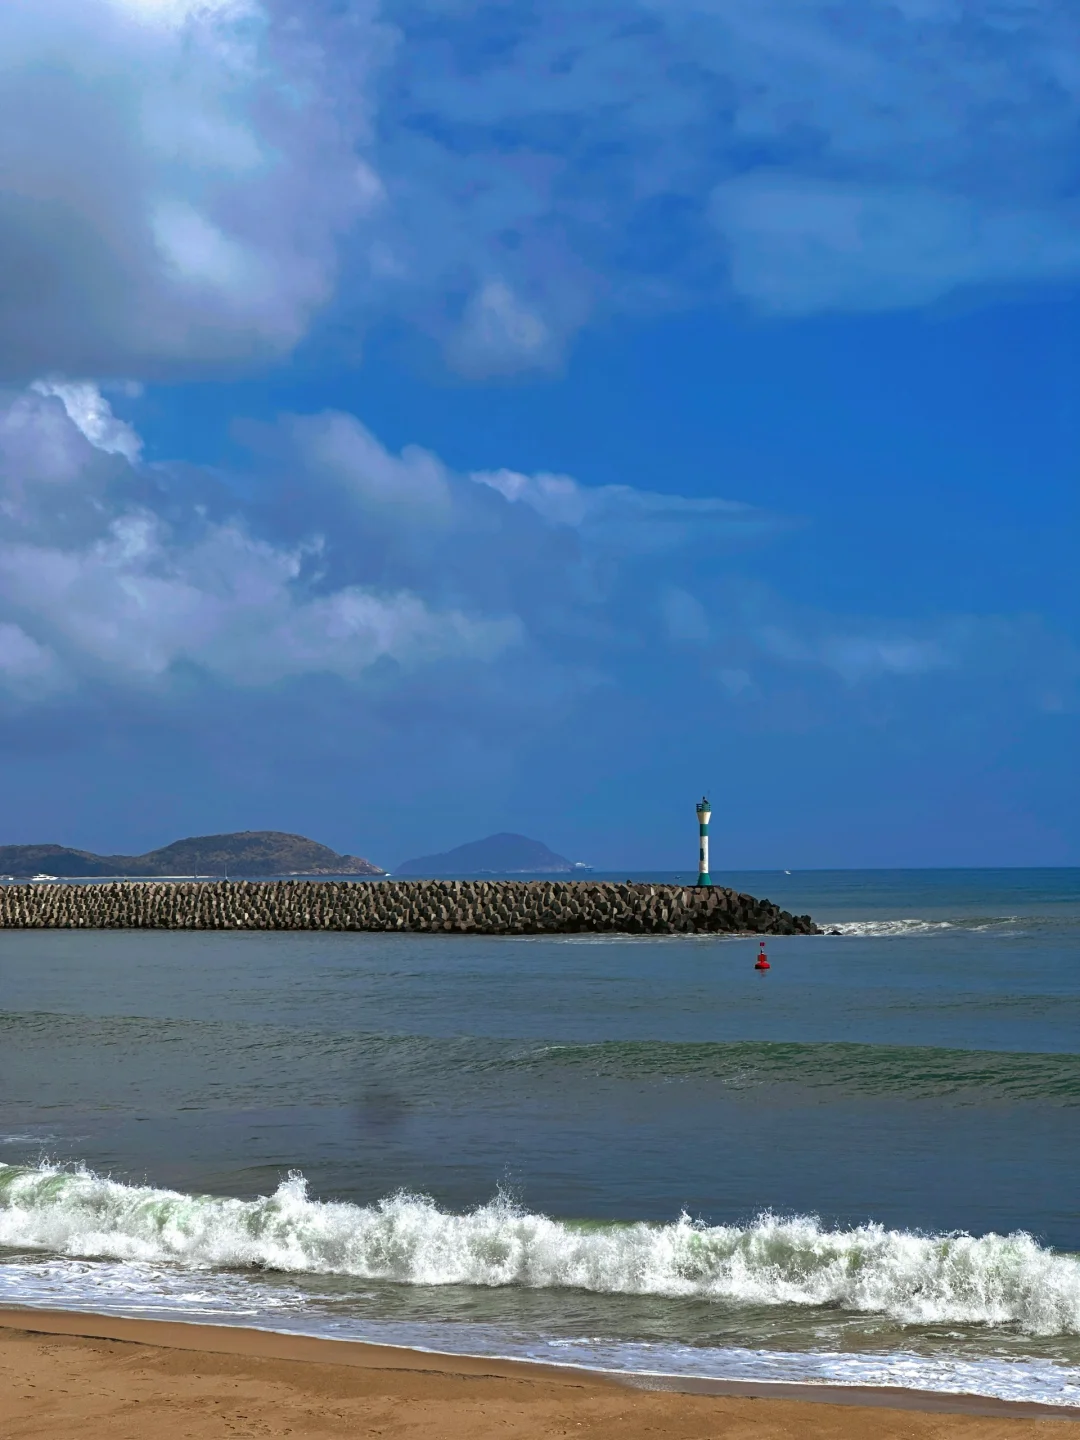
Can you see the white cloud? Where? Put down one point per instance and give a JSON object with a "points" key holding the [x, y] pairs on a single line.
{"points": [[621, 518], [557, 498], [799, 246], [735, 682], [27, 669], [685, 617], [176, 12], [92, 414], [137, 602], [39, 445], [199, 253], [859, 657], [336, 447], [498, 332], [856, 658], [349, 630]]}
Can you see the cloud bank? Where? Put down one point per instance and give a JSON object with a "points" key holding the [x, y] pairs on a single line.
{"points": [[559, 160], [196, 185], [115, 571], [333, 556]]}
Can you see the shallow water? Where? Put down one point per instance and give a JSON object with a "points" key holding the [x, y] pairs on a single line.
{"points": [[824, 1127]]}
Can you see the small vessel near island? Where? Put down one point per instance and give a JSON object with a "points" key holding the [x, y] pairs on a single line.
{"points": [[762, 961]]}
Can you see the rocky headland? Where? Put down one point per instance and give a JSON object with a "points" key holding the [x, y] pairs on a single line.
{"points": [[463, 907]]}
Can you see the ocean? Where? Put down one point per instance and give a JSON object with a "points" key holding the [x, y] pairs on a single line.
{"points": [[638, 1154]]}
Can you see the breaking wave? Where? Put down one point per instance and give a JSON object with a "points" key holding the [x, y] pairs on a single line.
{"points": [[887, 929], [912, 1278]]}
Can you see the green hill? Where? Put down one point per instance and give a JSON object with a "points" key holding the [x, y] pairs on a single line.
{"points": [[244, 853]]}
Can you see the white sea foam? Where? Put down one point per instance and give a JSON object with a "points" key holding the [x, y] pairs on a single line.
{"points": [[407, 1239], [163, 1292], [883, 928]]}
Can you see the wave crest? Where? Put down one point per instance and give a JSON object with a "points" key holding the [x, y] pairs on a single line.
{"points": [[407, 1239]]}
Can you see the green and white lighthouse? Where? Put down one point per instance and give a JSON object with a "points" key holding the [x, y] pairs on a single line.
{"points": [[704, 813]]}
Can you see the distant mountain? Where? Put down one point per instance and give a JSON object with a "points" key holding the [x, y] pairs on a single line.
{"points": [[497, 855], [247, 852]]}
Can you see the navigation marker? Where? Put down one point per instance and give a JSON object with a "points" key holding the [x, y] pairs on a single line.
{"points": [[704, 811]]}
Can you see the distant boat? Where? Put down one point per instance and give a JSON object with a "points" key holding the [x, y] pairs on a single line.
{"points": [[43, 877]]}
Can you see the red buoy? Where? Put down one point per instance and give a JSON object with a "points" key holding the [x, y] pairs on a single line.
{"points": [[762, 961]]}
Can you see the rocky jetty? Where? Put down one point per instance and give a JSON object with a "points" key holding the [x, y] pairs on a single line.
{"points": [[468, 907]]}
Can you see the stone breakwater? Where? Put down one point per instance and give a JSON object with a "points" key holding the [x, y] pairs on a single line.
{"points": [[470, 907]]}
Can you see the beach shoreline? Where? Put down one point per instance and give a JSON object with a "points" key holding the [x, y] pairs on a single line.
{"points": [[285, 1347]]}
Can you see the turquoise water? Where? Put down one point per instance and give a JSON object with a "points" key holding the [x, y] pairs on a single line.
{"points": [[498, 1137]]}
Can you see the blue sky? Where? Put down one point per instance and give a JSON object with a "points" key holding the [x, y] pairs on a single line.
{"points": [[421, 420]]}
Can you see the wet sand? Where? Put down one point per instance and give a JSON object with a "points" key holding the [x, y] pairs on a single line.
{"points": [[99, 1378]]}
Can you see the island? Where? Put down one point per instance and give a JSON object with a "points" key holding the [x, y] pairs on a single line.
{"points": [[502, 854]]}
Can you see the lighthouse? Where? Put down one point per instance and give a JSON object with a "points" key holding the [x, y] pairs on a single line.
{"points": [[704, 811]]}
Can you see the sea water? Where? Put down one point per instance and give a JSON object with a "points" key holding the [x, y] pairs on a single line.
{"points": [[859, 1167]]}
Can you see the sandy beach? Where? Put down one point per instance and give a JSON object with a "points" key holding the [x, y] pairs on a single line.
{"points": [[98, 1378]]}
